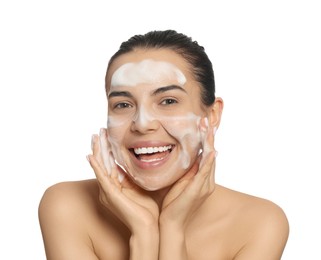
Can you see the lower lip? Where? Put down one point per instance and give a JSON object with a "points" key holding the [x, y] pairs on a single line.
{"points": [[152, 164]]}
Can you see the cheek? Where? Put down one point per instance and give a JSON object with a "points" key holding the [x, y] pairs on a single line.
{"points": [[116, 128], [184, 128], [115, 122], [186, 131]]}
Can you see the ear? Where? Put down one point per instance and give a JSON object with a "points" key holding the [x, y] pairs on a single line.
{"points": [[215, 112]]}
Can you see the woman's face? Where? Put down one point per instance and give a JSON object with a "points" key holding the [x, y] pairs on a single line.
{"points": [[154, 115]]}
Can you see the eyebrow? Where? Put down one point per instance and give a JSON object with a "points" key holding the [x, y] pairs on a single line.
{"points": [[154, 93], [167, 88], [120, 94]]}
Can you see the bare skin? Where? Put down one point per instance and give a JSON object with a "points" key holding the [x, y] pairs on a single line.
{"points": [[188, 215], [229, 225]]}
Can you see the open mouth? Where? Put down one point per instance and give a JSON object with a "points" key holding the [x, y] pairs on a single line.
{"points": [[152, 154]]}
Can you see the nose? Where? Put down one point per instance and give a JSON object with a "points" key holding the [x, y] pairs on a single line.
{"points": [[144, 122]]}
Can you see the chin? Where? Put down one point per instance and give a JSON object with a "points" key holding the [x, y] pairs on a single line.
{"points": [[152, 185], [151, 188]]}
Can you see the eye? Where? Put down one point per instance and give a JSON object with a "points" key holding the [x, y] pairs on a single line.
{"points": [[122, 105], [168, 101]]}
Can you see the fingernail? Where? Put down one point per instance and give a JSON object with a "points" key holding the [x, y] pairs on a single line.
{"points": [[216, 153], [87, 157]]}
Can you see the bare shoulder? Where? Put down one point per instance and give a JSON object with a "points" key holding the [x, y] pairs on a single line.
{"points": [[69, 198], [75, 225], [64, 211], [262, 223], [249, 204]]}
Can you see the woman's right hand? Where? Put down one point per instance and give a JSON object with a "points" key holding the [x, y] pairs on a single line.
{"points": [[138, 211]]}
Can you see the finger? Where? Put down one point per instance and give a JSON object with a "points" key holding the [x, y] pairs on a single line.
{"points": [[209, 183], [207, 138], [105, 149], [210, 149], [110, 186], [192, 171], [116, 176], [212, 174], [202, 185], [96, 148], [99, 171], [206, 171], [107, 184], [109, 193], [126, 181], [200, 177], [208, 141]]}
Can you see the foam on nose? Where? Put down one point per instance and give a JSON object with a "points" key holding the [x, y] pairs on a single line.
{"points": [[142, 117]]}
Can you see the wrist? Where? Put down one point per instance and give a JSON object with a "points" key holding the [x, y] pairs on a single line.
{"points": [[171, 225], [144, 228], [144, 244], [145, 235], [172, 242]]}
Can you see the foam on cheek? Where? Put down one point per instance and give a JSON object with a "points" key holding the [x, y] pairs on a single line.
{"points": [[114, 122], [147, 72], [186, 130], [117, 126]]}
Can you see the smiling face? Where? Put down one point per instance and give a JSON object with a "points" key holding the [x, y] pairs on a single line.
{"points": [[154, 113]]}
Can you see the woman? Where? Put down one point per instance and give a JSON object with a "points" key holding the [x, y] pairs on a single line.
{"points": [[155, 196]]}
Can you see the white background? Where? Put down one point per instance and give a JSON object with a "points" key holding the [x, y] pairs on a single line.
{"points": [[267, 61]]}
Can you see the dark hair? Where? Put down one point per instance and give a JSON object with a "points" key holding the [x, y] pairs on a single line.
{"points": [[183, 45]]}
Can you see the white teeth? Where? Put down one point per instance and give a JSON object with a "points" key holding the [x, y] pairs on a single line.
{"points": [[147, 150]]}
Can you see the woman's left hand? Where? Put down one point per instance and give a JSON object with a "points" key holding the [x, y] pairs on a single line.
{"points": [[190, 192]]}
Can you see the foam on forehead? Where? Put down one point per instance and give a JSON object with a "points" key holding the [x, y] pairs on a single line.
{"points": [[147, 72]]}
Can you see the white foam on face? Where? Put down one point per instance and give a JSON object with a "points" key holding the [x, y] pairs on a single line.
{"points": [[184, 128], [142, 117], [113, 122], [147, 72]]}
